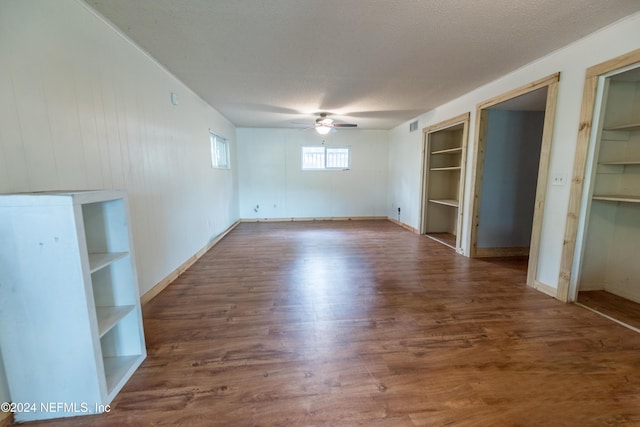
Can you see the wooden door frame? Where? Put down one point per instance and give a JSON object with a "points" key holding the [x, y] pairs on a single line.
{"points": [[551, 83], [462, 119], [580, 165]]}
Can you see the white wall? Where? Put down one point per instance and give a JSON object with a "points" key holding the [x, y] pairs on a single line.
{"points": [[509, 179], [571, 61], [83, 108], [270, 175]]}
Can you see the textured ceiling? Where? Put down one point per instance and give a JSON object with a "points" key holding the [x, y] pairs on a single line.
{"points": [[377, 63]]}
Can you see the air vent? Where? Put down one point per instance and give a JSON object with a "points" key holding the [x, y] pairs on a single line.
{"points": [[413, 126]]}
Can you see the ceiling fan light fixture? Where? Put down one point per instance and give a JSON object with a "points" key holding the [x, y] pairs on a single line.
{"points": [[323, 129]]}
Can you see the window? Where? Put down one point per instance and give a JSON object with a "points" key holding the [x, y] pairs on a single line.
{"points": [[323, 158], [219, 151]]}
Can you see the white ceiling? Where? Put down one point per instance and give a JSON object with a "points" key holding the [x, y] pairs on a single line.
{"points": [[377, 63]]}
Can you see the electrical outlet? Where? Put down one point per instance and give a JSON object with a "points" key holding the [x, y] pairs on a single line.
{"points": [[559, 180]]}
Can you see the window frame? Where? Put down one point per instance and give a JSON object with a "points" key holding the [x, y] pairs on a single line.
{"points": [[325, 157], [215, 142]]}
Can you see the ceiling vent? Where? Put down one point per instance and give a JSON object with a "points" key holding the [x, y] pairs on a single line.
{"points": [[413, 126]]}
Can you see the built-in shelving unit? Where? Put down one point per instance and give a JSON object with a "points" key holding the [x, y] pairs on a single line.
{"points": [[611, 220], [80, 337], [444, 148]]}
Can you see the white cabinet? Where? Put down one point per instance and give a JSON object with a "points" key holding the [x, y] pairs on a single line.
{"points": [[71, 324]]}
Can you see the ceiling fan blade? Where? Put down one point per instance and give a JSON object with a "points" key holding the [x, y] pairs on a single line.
{"points": [[345, 125]]}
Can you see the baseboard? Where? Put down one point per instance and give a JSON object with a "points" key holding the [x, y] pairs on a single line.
{"points": [[501, 252], [307, 219], [160, 286], [545, 289], [403, 225], [6, 419]]}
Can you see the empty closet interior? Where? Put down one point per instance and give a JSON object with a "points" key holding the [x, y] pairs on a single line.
{"points": [[609, 272], [512, 139]]}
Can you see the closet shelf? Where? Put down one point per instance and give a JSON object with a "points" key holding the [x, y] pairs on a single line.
{"points": [[449, 168], [445, 202], [448, 151], [621, 163], [617, 198], [627, 127]]}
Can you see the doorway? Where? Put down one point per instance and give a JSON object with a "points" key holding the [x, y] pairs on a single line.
{"points": [[599, 267], [444, 148], [513, 141]]}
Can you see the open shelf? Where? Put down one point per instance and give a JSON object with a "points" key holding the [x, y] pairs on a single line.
{"points": [[445, 202], [90, 305], [108, 317], [621, 163], [444, 164], [448, 151], [448, 168], [99, 260], [627, 127], [617, 198], [116, 369]]}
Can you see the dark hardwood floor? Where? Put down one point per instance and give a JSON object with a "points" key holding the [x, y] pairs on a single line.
{"points": [[365, 323]]}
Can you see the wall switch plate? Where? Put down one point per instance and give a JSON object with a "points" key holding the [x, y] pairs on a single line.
{"points": [[559, 179]]}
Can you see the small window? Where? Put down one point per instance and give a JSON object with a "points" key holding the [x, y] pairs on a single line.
{"points": [[323, 158], [219, 151]]}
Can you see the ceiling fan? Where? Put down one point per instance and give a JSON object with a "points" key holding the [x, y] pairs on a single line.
{"points": [[324, 124]]}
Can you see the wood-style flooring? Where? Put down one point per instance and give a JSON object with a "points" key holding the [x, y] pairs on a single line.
{"points": [[365, 323], [619, 308]]}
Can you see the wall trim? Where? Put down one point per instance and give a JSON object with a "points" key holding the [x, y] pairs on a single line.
{"points": [[501, 252], [160, 286], [403, 225], [6, 419], [545, 289], [310, 219]]}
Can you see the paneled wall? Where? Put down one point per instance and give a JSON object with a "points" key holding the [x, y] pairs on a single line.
{"points": [[82, 108], [273, 184]]}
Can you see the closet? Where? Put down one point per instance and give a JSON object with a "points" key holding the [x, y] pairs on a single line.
{"points": [[608, 272], [444, 147]]}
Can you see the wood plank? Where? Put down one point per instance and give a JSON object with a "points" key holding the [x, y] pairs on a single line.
{"points": [[363, 323]]}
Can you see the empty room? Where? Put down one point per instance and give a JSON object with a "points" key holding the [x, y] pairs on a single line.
{"points": [[306, 213]]}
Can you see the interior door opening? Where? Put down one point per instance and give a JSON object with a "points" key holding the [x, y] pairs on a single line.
{"points": [[607, 279], [513, 141]]}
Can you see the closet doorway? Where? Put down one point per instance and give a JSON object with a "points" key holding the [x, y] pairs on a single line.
{"points": [[599, 267], [513, 141]]}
